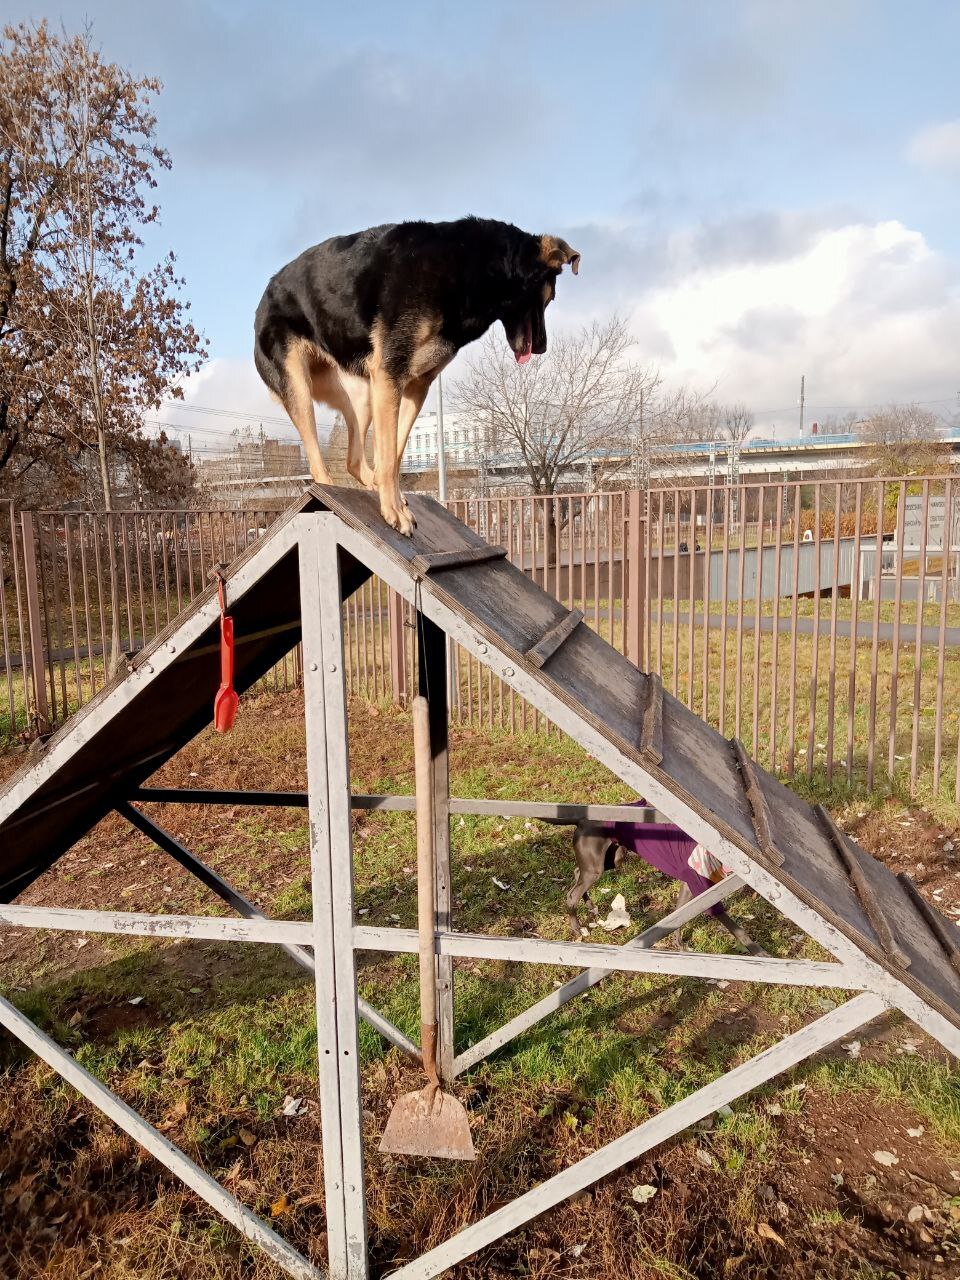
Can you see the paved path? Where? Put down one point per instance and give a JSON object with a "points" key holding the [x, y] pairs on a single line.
{"points": [[908, 631]]}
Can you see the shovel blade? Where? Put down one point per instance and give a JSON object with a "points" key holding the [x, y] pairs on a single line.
{"points": [[225, 710], [428, 1124]]}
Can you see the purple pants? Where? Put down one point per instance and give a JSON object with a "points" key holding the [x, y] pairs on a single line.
{"points": [[664, 846]]}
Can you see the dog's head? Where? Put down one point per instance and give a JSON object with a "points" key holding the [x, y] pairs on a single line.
{"points": [[523, 316]]}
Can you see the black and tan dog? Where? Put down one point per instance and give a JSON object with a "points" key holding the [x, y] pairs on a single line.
{"points": [[365, 322]]}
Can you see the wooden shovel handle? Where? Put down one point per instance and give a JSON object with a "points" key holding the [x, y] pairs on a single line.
{"points": [[426, 911]]}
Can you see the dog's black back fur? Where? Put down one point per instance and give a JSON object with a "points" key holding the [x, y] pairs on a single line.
{"points": [[469, 273]]}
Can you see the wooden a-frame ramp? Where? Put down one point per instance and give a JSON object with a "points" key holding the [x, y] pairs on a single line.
{"points": [[888, 944]]}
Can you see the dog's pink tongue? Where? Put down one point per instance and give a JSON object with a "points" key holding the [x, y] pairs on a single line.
{"points": [[524, 355]]}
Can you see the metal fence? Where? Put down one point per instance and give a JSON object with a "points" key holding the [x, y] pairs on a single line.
{"points": [[818, 622]]}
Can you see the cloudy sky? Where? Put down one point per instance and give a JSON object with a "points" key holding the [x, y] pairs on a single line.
{"points": [[765, 187]]}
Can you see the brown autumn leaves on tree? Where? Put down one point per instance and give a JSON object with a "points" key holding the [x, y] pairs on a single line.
{"points": [[89, 340]]}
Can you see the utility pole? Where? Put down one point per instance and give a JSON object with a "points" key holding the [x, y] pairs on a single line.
{"points": [[441, 454], [803, 379]]}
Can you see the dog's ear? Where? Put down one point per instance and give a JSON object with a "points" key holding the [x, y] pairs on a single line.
{"points": [[556, 253]]}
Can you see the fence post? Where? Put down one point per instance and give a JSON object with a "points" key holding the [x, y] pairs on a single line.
{"points": [[398, 660], [634, 575], [41, 705]]}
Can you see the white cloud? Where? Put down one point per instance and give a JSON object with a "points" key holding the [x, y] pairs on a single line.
{"points": [[234, 389], [937, 146], [868, 312]]}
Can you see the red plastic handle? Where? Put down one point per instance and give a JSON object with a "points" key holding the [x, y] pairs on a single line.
{"points": [[226, 652], [226, 702]]}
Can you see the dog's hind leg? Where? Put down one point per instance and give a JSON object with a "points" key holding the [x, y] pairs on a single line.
{"points": [[683, 897], [590, 850], [358, 414], [297, 399]]}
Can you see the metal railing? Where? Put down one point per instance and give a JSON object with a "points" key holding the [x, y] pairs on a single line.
{"points": [[818, 622]]}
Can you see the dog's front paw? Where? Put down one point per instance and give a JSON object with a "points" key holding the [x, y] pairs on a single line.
{"points": [[398, 519]]}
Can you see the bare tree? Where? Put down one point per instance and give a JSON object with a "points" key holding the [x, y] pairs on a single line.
{"points": [[88, 340], [685, 416], [905, 439], [736, 422], [585, 405], [582, 402]]}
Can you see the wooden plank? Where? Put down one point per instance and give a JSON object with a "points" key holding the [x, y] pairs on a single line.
{"points": [[850, 855], [547, 646], [433, 561], [651, 721], [932, 919], [601, 955], [758, 804]]}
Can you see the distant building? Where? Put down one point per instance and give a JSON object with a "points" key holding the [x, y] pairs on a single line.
{"points": [[258, 470], [464, 439]]}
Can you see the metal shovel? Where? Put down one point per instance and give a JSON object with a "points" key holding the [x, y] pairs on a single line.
{"points": [[429, 1122]]}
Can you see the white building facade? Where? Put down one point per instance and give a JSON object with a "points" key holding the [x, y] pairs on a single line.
{"points": [[464, 442]]}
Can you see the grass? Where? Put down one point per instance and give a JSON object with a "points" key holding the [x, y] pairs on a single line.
{"points": [[224, 1034]]}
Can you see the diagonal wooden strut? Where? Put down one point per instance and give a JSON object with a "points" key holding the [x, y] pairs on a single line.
{"points": [[849, 857], [787, 1053], [433, 561], [946, 941], [651, 720], [758, 804], [548, 644], [244, 907], [161, 1148], [591, 977]]}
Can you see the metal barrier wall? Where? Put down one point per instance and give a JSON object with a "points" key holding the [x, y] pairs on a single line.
{"points": [[819, 622]]}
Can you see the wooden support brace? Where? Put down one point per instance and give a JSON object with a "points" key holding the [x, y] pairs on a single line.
{"points": [[433, 561], [931, 918], [651, 720], [871, 904], [758, 804], [548, 644]]}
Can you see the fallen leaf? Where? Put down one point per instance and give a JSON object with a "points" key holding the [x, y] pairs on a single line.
{"points": [[280, 1206], [643, 1193], [246, 1137], [915, 1213], [136, 1000], [704, 1157], [294, 1106], [915, 1133], [886, 1158], [853, 1048], [766, 1232], [500, 884]]}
